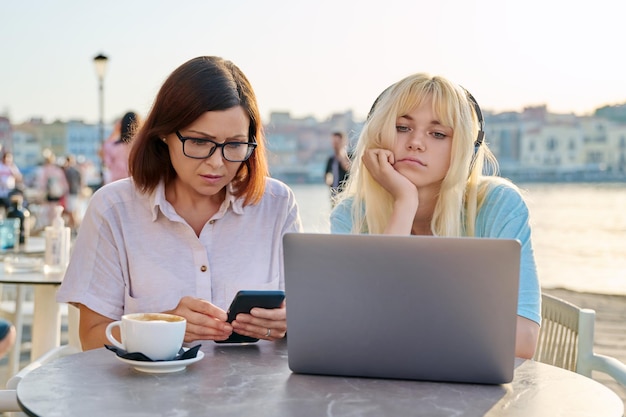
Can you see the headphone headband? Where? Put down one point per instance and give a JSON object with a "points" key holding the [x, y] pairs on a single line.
{"points": [[369, 113], [479, 116]]}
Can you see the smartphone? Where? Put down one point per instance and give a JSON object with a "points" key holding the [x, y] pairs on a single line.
{"points": [[245, 301]]}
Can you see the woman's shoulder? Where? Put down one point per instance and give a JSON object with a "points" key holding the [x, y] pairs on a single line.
{"points": [[503, 193], [344, 202], [116, 191], [277, 188], [499, 187], [277, 197]]}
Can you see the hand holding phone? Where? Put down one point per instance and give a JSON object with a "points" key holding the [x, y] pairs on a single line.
{"points": [[245, 301]]}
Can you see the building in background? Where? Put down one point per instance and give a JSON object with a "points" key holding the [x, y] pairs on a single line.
{"points": [[532, 145], [542, 146]]}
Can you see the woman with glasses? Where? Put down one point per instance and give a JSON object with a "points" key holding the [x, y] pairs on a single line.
{"points": [[198, 220]]}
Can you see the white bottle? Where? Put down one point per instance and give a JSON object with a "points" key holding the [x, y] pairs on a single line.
{"points": [[57, 236]]}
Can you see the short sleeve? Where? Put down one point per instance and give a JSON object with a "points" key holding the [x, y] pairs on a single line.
{"points": [[504, 214]]}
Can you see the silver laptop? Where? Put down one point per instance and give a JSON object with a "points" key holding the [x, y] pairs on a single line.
{"points": [[402, 307]]}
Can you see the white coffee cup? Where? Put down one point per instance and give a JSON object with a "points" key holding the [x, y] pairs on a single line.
{"points": [[159, 336]]}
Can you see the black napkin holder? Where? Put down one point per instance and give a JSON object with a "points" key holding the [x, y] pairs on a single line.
{"points": [[140, 357]]}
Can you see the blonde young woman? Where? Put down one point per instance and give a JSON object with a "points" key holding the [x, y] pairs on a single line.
{"points": [[418, 169]]}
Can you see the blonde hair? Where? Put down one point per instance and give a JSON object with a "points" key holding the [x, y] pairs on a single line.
{"points": [[462, 189]]}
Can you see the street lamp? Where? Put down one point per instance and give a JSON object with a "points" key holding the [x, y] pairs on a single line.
{"points": [[100, 61]]}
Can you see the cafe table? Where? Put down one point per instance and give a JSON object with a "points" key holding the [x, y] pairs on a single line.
{"points": [[255, 380], [46, 327]]}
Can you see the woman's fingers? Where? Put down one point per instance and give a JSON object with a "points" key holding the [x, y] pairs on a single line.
{"points": [[263, 323], [205, 321]]}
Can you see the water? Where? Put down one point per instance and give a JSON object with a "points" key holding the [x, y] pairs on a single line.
{"points": [[579, 232]]}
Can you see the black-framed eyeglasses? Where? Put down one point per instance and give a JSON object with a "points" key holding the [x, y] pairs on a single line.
{"points": [[197, 148]]}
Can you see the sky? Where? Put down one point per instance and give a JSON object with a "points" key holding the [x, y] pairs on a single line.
{"points": [[310, 58]]}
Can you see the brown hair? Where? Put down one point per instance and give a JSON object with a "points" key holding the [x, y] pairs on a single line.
{"points": [[129, 124], [202, 84]]}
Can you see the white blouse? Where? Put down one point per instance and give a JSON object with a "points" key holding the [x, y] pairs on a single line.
{"points": [[134, 253]]}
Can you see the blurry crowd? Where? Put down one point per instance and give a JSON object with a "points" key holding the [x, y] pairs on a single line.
{"points": [[57, 181], [64, 180]]}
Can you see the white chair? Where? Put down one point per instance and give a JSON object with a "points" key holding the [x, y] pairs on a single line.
{"points": [[20, 312], [8, 397], [566, 340]]}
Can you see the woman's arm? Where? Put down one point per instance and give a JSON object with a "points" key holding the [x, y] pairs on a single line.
{"points": [[526, 337], [504, 214], [92, 327], [379, 163]]}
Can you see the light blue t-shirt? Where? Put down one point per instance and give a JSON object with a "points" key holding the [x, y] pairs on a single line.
{"points": [[504, 214]]}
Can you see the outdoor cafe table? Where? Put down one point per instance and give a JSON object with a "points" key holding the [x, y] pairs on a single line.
{"points": [[46, 327], [255, 380]]}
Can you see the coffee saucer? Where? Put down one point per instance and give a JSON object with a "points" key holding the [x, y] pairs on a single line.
{"points": [[162, 367]]}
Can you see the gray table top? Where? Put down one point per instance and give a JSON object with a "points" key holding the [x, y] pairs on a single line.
{"points": [[255, 380]]}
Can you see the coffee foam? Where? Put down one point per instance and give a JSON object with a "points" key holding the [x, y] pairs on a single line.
{"points": [[158, 317]]}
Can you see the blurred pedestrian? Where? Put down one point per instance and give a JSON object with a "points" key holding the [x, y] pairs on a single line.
{"points": [[52, 184], [75, 185], [10, 179], [116, 149], [338, 165]]}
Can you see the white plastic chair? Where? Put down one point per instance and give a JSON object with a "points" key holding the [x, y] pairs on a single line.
{"points": [[8, 396], [566, 340], [19, 312]]}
